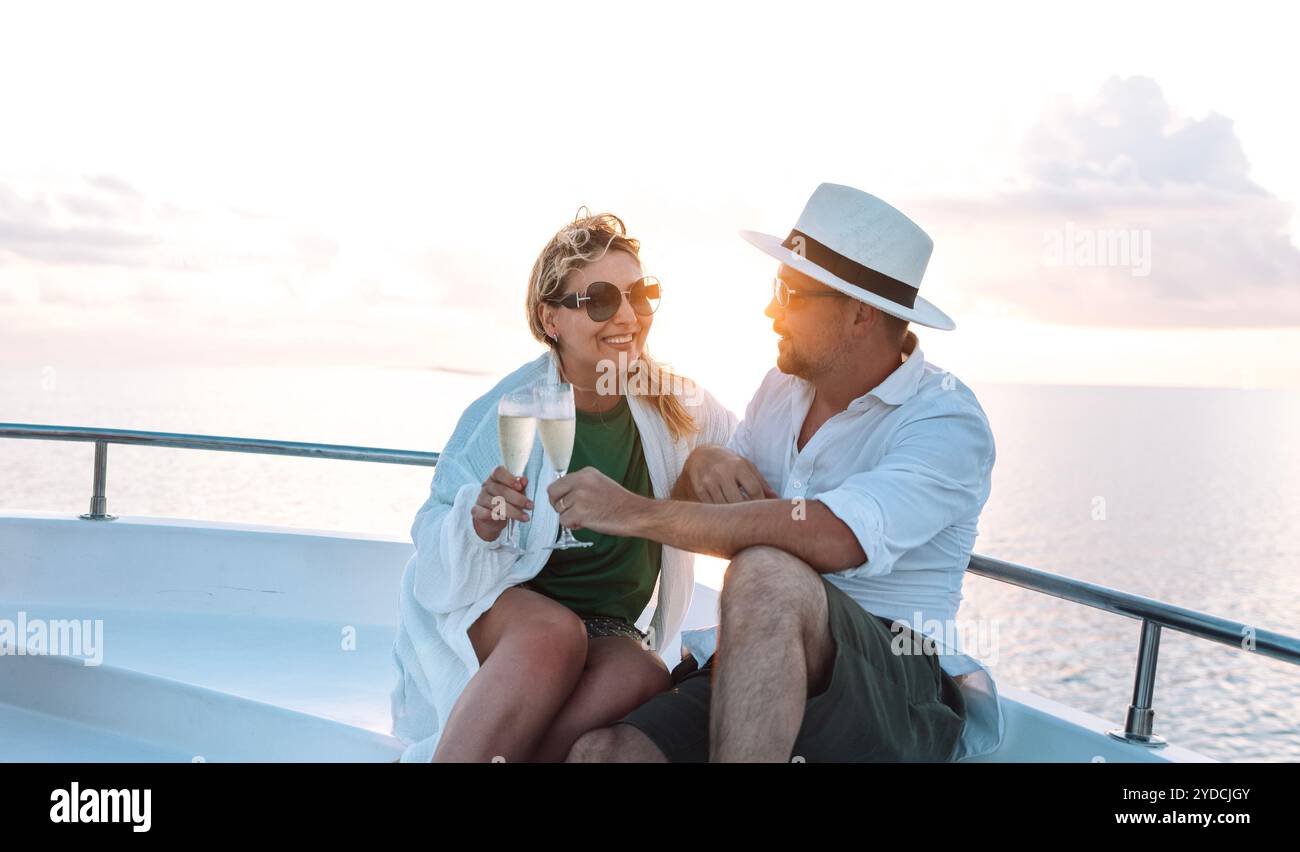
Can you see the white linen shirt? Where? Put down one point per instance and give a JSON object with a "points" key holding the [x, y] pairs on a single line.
{"points": [[907, 467]]}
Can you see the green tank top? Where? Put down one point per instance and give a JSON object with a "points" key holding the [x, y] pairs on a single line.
{"points": [[615, 576]]}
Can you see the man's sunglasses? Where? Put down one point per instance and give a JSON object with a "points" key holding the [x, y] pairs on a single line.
{"points": [[783, 293], [603, 299]]}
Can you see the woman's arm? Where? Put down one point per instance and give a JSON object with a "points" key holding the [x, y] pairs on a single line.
{"points": [[455, 565]]}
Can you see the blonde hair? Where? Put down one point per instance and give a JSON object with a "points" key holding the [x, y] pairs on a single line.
{"points": [[583, 241]]}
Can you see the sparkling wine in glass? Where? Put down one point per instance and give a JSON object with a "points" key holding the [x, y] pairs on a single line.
{"points": [[556, 424], [516, 426]]}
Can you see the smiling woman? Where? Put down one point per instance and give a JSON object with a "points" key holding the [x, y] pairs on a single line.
{"points": [[582, 264], [517, 653]]}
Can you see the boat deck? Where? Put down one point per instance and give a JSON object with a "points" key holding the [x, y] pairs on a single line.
{"points": [[211, 656]]}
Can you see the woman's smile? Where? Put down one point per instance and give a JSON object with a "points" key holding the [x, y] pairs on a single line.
{"points": [[619, 341]]}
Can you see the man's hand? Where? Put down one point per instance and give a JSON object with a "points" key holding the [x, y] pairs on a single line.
{"points": [[715, 474], [588, 499]]}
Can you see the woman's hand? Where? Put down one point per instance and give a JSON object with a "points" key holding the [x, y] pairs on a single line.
{"points": [[503, 498], [715, 474]]}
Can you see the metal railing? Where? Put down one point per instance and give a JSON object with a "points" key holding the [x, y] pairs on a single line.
{"points": [[1154, 615], [103, 437]]}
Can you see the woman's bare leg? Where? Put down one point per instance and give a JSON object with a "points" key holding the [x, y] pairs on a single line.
{"points": [[531, 652], [620, 676]]}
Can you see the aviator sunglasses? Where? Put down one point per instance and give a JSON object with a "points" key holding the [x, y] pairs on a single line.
{"points": [[783, 293], [603, 299]]}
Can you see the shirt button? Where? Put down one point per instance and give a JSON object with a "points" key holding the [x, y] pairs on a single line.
{"points": [[798, 484]]}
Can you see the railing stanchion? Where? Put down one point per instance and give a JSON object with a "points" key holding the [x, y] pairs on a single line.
{"points": [[99, 502], [1139, 721]]}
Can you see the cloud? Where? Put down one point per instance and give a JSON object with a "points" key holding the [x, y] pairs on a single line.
{"points": [[112, 184], [94, 238], [1126, 214], [1130, 138], [71, 228]]}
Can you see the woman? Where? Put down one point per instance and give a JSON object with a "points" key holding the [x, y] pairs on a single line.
{"points": [[514, 656]]}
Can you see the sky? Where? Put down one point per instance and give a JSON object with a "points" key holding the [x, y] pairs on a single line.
{"points": [[1111, 188]]}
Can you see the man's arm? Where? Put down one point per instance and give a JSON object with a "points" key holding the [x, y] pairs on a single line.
{"points": [[806, 529], [936, 474]]}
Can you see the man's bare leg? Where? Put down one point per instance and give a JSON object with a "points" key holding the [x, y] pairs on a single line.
{"points": [[774, 651], [619, 743], [531, 653], [620, 677]]}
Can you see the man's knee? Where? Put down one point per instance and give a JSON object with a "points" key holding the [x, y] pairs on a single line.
{"points": [[615, 744], [769, 581], [768, 593]]}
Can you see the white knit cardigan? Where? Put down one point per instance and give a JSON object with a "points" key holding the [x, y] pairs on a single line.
{"points": [[453, 577]]}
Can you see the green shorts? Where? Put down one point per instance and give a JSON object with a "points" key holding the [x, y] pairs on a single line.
{"points": [[879, 707]]}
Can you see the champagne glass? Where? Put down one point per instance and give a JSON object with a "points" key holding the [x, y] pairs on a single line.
{"points": [[556, 423], [516, 427]]}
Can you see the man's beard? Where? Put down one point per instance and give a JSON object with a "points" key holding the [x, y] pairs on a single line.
{"points": [[790, 361]]}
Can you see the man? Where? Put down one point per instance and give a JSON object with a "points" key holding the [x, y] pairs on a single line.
{"points": [[847, 501]]}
